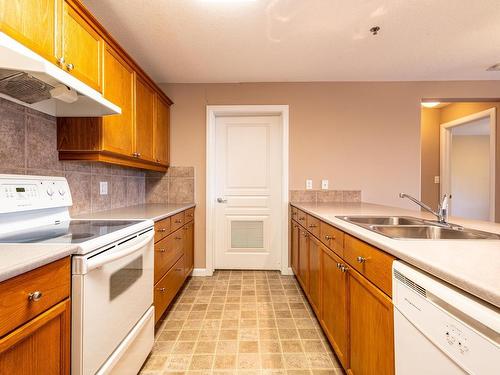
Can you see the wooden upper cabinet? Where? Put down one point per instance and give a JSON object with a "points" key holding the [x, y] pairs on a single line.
{"points": [[34, 23], [118, 130], [82, 48], [144, 119], [371, 328], [162, 132]]}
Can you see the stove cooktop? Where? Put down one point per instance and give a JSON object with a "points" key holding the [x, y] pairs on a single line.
{"points": [[71, 232]]}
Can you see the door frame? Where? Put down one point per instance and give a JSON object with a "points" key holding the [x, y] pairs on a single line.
{"points": [[445, 141], [214, 111]]}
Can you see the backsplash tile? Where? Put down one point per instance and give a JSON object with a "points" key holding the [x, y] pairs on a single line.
{"points": [[176, 186], [28, 145], [325, 196]]}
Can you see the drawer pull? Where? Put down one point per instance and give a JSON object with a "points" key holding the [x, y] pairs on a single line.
{"points": [[161, 230], [179, 269], [361, 259], [339, 265], [178, 238], [161, 290], [344, 268], [189, 215], [35, 296], [302, 218], [70, 67], [294, 213], [328, 238], [313, 226], [162, 250], [178, 221]]}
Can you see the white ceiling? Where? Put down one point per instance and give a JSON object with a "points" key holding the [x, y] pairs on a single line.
{"points": [[306, 40]]}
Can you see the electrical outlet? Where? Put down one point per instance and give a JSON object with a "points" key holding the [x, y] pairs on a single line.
{"points": [[309, 184], [436, 179], [324, 184], [103, 187]]}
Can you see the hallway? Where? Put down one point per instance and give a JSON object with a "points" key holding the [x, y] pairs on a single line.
{"points": [[241, 322]]}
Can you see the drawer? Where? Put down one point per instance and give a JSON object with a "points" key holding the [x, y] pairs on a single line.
{"points": [[313, 225], [166, 289], [177, 221], [294, 212], [371, 262], [167, 252], [301, 218], [162, 229], [189, 215], [16, 305], [332, 238]]}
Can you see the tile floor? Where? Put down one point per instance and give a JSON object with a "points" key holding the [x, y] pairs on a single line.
{"points": [[241, 322]]}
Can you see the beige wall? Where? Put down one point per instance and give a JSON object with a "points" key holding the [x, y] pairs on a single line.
{"points": [[360, 136], [431, 121]]}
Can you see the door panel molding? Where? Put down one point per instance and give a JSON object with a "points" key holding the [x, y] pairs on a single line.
{"points": [[213, 112]]}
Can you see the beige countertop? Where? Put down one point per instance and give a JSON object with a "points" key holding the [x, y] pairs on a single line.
{"points": [[151, 211], [471, 265], [16, 259]]}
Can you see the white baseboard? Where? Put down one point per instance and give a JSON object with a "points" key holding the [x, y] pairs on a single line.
{"points": [[287, 271], [201, 272]]}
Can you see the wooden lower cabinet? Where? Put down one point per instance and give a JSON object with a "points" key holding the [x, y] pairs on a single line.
{"points": [[334, 312], [371, 328], [41, 346], [348, 284], [174, 257], [315, 274], [188, 247], [303, 274], [294, 247]]}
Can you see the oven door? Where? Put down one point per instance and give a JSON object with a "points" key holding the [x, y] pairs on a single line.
{"points": [[112, 289]]}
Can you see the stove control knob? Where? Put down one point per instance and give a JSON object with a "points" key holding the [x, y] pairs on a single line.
{"points": [[50, 191], [62, 192]]}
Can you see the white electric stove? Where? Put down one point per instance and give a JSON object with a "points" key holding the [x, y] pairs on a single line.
{"points": [[112, 272]]}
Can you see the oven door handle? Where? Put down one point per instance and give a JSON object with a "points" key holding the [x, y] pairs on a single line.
{"points": [[100, 261]]}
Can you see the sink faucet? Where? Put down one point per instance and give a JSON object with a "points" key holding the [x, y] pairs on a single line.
{"points": [[442, 211]]}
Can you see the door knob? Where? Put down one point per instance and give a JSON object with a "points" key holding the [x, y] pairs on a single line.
{"points": [[220, 200]]}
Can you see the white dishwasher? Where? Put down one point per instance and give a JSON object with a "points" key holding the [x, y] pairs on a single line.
{"points": [[440, 330]]}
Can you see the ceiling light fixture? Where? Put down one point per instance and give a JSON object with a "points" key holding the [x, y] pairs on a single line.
{"points": [[430, 104]]}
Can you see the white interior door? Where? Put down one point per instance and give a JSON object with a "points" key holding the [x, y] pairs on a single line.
{"points": [[248, 167]]}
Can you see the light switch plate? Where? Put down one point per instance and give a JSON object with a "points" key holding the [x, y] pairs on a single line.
{"points": [[309, 184], [436, 179], [103, 187], [324, 184]]}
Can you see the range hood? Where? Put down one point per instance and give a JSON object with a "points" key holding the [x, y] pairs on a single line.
{"points": [[28, 79]]}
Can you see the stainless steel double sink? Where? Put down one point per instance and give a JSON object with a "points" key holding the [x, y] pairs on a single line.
{"points": [[405, 227]]}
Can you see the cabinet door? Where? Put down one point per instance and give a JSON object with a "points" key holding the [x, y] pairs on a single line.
{"points": [[32, 23], [334, 313], [162, 132], [189, 247], [371, 328], [295, 248], [118, 130], [144, 119], [82, 48], [304, 259], [315, 273], [41, 346]]}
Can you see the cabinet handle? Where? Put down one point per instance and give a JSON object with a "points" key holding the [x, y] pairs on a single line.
{"points": [[138, 154], [178, 270], [302, 218], [162, 250], [344, 268], [313, 226], [161, 290], [60, 60], [70, 67], [161, 230], [306, 235], [35, 296], [294, 213], [178, 221], [328, 238], [178, 238], [339, 265], [361, 259]]}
